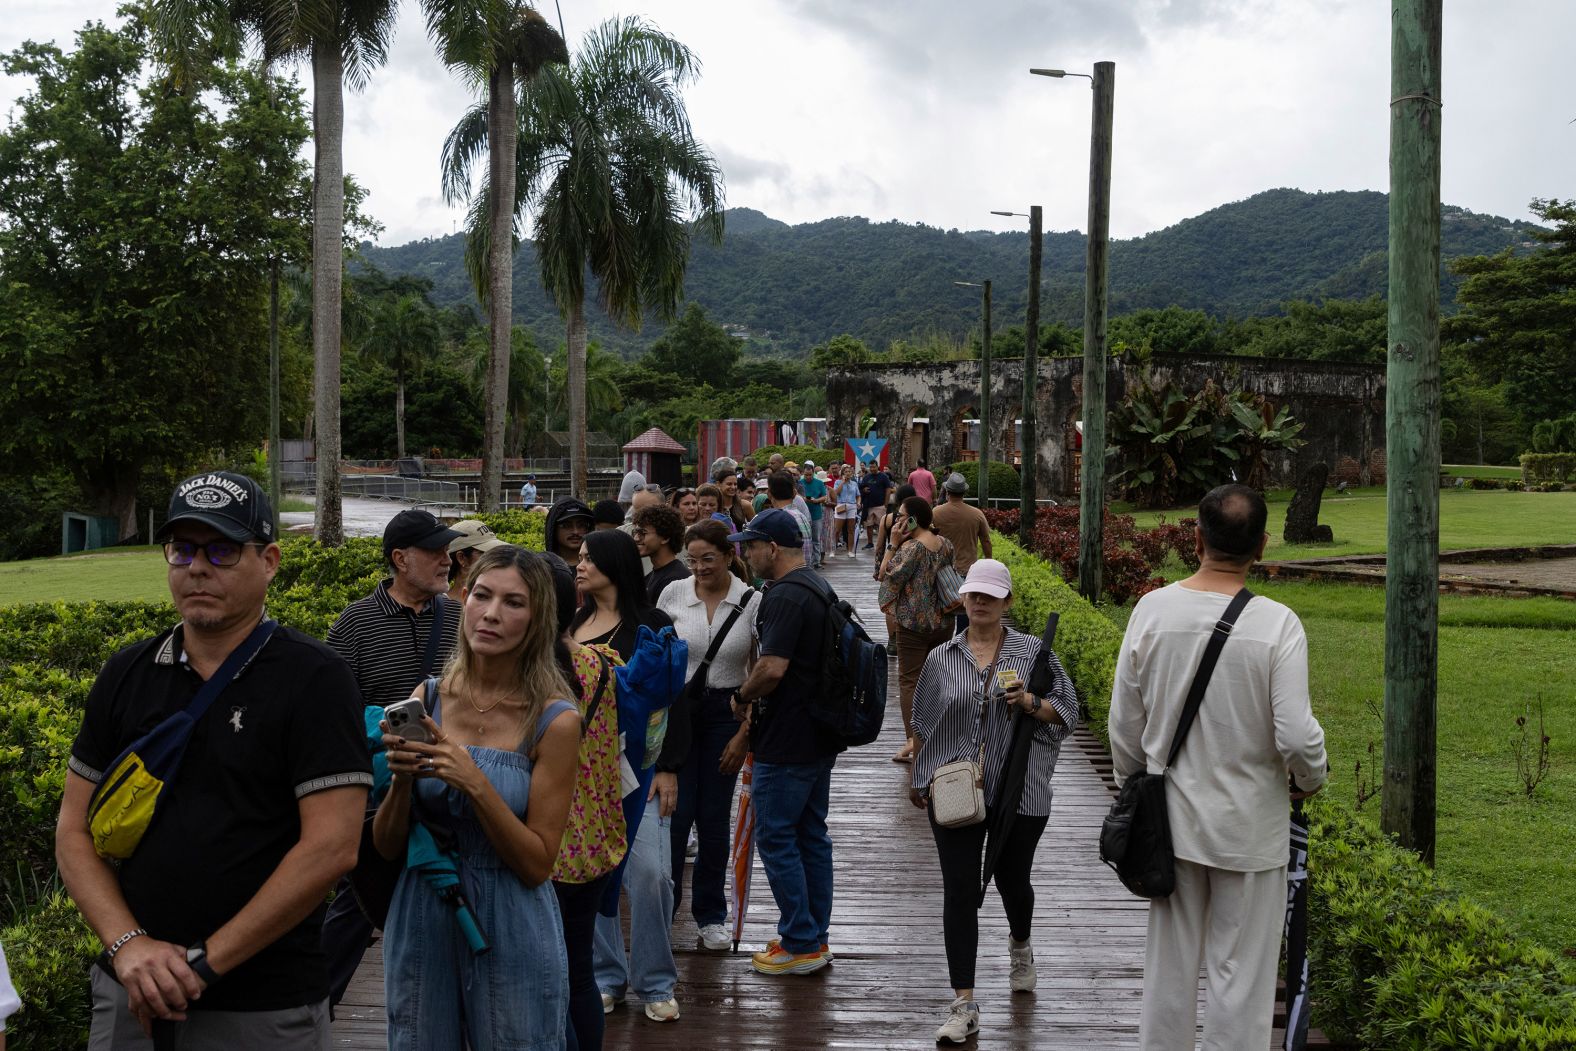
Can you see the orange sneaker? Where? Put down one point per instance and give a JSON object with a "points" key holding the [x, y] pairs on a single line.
{"points": [[826, 950], [777, 960]]}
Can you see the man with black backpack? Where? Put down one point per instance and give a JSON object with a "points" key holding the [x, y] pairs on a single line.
{"points": [[794, 751]]}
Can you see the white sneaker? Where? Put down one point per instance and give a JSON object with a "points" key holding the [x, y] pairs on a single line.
{"points": [[692, 847], [663, 1010], [1022, 976], [609, 1001], [962, 1022], [715, 937]]}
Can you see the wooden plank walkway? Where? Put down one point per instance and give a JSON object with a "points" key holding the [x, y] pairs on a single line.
{"points": [[888, 987]]}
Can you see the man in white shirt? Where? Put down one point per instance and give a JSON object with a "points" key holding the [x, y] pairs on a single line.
{"points": [[1254, 747]]}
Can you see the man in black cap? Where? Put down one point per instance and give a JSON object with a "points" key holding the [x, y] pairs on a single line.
{"points": [[393, 639], [211, 924], [568, 522]]}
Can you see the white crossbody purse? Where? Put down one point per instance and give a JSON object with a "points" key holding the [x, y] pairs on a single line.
{"points": [[957, 789]]}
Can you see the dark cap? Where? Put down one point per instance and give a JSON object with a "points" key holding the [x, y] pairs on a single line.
{"points": [[608, 512], [231, 503], [774, 524], [413, 528]]}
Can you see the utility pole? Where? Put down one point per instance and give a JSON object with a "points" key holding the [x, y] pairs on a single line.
{"points": [[1411, 638], [984, 473], [1091, 517], [275, 492], [1031, 375]]}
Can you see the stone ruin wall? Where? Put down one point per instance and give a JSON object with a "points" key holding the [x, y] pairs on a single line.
{"points": [[1341, 405]]}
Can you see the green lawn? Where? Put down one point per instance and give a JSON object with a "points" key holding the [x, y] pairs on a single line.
{"points": [[1467, 518], [122, 573], [1496, 657], [1470, 470]]}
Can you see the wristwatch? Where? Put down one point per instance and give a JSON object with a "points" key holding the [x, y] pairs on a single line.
{"points": [[197, 960], [1037, 702]]}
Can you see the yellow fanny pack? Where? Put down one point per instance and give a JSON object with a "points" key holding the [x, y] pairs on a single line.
{"points": [[127, 800]]}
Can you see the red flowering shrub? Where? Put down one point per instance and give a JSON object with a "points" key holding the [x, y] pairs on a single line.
{"points": [[1133, 556]]}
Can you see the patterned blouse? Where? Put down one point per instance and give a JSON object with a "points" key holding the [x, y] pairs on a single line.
{"points": [[908, 588], [595, 836]]}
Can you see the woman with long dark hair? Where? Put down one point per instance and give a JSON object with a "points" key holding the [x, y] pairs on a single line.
{"points": [[616, 605], [914, 555], [684, 502], [498, 775]]}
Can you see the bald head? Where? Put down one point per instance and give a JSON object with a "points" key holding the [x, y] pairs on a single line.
{"points": [[644, 498], [1231, 523]]}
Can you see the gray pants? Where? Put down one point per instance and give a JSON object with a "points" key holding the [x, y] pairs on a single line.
{"points": [[290, 1029]]}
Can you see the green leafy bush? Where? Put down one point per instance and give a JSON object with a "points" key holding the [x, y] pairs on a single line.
{"points": [[796, 453], [315, 583], [1004, 483], [1403, 964], [1086, 641], [77, 637], [1538, 468], [49, 954], [525, 528]]}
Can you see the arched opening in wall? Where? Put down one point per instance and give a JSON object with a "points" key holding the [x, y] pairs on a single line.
{"points": [[1072, 435], [913, 445], [1011, 431], [862, 421], [966, 434]]}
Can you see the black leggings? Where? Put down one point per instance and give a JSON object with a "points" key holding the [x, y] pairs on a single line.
{"points": [[577, 905], [962, 851]]}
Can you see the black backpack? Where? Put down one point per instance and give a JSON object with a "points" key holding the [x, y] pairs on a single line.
{"points": [[851, 700]]}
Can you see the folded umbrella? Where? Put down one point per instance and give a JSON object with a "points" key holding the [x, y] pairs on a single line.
{"points": [[1016, 765], [742, 857], [1297, 933], [439, 866]]}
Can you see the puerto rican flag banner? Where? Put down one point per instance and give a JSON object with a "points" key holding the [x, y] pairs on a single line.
{"points": [[868, 449]]}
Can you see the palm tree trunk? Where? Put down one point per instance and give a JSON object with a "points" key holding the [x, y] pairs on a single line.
{"points": [[502, 134], [576, 381], [328, 233], [399, 414]]}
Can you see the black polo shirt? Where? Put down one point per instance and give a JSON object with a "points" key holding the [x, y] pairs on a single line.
{"points": [[384, 642], [287, 726], [792, 624]]}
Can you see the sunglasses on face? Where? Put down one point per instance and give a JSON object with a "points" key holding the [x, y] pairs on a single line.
{"points": [[223, 553]]}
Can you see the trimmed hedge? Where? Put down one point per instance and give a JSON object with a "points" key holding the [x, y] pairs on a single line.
{"points": [[1542, 468], [1004, 481], [796, 453], [526, 528], [1086, 641]]}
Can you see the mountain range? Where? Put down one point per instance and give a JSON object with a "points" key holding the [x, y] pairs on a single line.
{"points": [[788, 288]]}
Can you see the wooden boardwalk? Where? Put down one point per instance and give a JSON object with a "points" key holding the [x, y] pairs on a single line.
{"points": [[888, 987]]}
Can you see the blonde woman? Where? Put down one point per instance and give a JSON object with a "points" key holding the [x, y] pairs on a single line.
{"points": [[497, 777]]}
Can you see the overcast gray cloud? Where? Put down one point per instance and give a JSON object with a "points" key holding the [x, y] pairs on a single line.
{"points": [[924, 110]]}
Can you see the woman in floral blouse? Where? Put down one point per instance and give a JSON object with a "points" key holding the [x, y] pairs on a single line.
{"points": [[915, 554]]}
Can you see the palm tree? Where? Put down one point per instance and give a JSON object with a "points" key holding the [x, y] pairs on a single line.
{"points": [[496, 44], [344, 40], [404, 335], [607, 157]]}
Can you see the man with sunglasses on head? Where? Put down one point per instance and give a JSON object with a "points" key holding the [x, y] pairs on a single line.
{"points": [[211, 925], [393, 639]]}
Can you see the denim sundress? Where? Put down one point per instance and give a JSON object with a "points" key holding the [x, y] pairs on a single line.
{"points": [[442, 998]]}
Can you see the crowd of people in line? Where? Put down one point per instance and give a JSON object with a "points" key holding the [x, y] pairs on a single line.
{"points": [[498, 803]]}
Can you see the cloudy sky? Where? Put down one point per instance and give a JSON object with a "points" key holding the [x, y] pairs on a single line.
{"points": [[924, 110]]}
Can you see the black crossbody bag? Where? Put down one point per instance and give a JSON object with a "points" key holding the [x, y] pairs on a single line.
{"points": [[1135, 839]]}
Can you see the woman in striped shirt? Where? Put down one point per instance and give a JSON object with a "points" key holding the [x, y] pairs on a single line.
{"points": [[960, 704]]}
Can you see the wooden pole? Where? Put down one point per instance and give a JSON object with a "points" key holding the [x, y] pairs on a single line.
{"points": [[1031, 371], [1411, 642], [984, 472], [275, 493], [1091, 515]]}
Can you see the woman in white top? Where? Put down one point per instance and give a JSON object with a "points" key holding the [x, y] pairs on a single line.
{"points": [[700, 606], [846, 517]]}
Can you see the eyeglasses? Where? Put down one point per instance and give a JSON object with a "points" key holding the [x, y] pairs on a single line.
{"points": [[650, 487], [706, 560], [223, 553], [639, 533]]}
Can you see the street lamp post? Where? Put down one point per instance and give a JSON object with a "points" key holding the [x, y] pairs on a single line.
{"points": [[984, 470], [1028, 488], [1091, 517]]}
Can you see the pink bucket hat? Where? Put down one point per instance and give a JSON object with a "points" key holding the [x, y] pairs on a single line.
{"points": [[988, 577]]}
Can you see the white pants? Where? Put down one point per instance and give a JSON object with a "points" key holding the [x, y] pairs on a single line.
{"points": [[1232, 922]]}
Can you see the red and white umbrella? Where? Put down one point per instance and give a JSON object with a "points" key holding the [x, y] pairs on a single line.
{"points": [[742, 857]]}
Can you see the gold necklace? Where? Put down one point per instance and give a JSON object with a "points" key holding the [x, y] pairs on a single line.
{"points": [[470, 698]]}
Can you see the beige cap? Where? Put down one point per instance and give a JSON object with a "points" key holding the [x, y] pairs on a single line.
{"points": [[474, 536]]}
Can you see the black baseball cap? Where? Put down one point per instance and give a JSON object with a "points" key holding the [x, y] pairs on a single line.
{"points": [[231, 503], [413, 528], [773, 524]]}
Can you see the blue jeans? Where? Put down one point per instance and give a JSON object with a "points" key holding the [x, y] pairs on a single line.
{"points": [[648, 973], [818, 538], [791, 801], [706, 801]]}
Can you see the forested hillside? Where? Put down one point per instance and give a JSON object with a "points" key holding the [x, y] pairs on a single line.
{"points": [[795, 286]]}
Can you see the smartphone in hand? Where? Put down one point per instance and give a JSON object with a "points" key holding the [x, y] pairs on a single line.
{"points": [[404, 719]]}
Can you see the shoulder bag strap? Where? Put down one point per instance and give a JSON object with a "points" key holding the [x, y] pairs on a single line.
{"points": [[1206, 668], [434, 636], [239, 658], [716, 642], [601, 684]]}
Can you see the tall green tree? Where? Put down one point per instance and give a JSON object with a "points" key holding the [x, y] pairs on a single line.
{"points": [[403, 334], [497, 45], [137, 227], [344, 40], [619, 183], [1518, 317], [695, 349]]}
